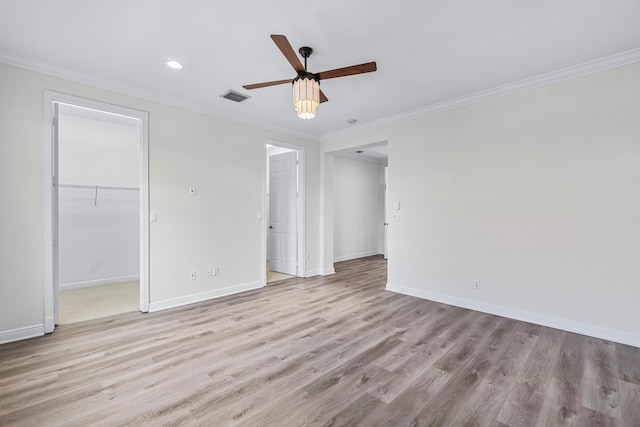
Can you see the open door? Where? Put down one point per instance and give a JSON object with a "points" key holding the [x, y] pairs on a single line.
{"points": [[282, 213]]}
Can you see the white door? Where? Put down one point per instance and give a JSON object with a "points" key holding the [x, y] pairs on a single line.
{"points": [[386, 213], [282, 213]]}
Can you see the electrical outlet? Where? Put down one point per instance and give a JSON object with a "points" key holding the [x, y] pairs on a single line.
{"points": [[476, 284], [192, 275], [208, 272], [216, 271]]}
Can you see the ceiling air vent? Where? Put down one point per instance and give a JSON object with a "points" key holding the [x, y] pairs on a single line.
{"points": [[234, 96]]}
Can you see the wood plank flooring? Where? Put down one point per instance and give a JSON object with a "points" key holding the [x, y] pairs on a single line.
{"points": [[325, 351]]}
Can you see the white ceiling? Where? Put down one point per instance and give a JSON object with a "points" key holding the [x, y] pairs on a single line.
{"points": [[427, 51], [376, 154]]}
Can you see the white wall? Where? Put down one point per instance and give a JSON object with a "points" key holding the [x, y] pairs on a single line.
{"points": [[535, 194], [218, 227], [98, 244], [356, 201], [97, 149], [99, 232]]}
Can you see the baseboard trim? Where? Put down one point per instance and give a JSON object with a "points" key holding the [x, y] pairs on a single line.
{"points": [[49, 325], [552, 322], [99, 282], [21, 333], [314, 272], [320, 272], [355, 256], [203, 296], [144, 306]]}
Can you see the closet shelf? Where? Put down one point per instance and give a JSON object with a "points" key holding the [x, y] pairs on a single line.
{"points": [[97, 187]]}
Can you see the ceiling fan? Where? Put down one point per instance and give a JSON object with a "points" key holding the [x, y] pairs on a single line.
{"points": [[306, 86]]}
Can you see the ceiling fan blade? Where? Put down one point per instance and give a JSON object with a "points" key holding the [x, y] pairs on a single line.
{"points": [[288, 52], [266, 84], [323, 97], [348, 71]]}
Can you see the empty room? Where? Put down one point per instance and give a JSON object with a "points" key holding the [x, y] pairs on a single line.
{"points": [[332, 213]]}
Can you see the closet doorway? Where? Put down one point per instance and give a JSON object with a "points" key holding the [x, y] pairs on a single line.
{"points": [[99, 232]]}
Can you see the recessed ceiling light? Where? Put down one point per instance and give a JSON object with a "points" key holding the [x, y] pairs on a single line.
{"points": [[175, 65]]}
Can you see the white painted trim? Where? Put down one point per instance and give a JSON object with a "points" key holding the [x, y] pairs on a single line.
{"points": [[99, 282], [145, 265], [21, 333], [47, 141], [263, 215], [355, 256], [320, 272], [302, 211], [590, 67], [51, 97], [204, 296], [538, 319], [314, 272]]}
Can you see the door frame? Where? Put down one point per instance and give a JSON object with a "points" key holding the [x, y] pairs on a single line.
{"points": [[328, 185], [300, 208], [385, 230], [50, 197]]}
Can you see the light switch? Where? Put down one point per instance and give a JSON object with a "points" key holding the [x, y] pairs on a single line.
{"points": [[192, 190], [396, 205], [153, 217], [396, 217]]}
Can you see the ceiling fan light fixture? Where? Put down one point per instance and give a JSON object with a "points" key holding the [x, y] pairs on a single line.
{"points": [[306, 96], [306, 86]]}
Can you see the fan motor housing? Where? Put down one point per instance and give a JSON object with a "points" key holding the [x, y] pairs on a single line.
{"points": [[306, 75], [305, 51]]}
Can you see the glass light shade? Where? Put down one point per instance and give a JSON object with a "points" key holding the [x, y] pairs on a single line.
{"points": [[306, 97]]}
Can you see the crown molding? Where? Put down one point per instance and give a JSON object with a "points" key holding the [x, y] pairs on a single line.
{"points": [[586, 68], [112, 86]]}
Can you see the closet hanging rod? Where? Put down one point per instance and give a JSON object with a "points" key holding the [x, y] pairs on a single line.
{"points": [[98, 187]]}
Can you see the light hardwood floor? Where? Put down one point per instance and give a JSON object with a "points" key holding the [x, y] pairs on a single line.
{"points": [[335, 350]]}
